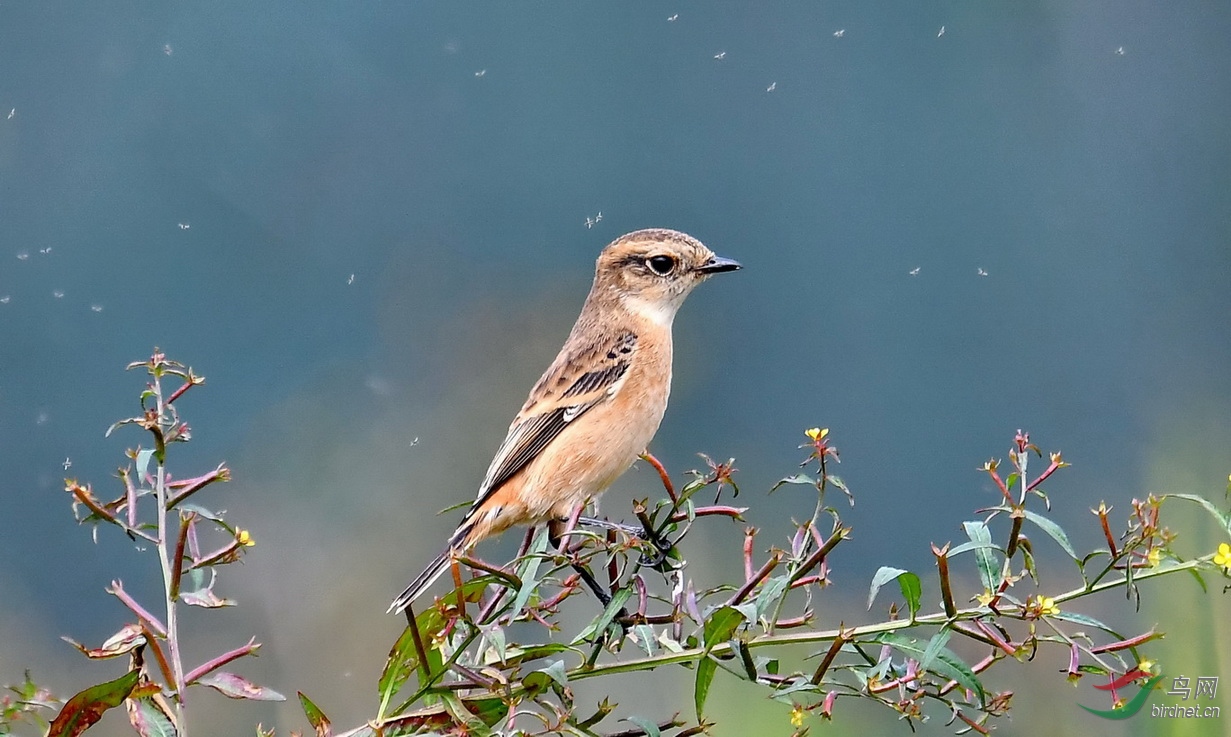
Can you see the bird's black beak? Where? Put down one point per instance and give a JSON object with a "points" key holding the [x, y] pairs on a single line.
{"points": [[718, 264]]}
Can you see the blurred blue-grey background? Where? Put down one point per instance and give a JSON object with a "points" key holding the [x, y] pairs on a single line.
{"points": [[366, 224]]}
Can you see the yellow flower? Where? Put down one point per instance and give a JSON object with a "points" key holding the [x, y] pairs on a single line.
{"points": [[1223, 557], [797, 716], [1046, 606], [814, 433], [1154, 557], [1147, 666], [242, 536]]}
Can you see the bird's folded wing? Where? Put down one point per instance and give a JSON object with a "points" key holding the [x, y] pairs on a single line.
{"points": [[576, 382]]}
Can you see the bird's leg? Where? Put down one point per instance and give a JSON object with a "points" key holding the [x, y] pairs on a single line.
{"points": [[556, 531], [607, 524], [662, 545], [457, 584]]}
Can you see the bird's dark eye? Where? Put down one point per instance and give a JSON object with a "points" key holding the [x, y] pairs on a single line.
{"points": [[661, 265]]}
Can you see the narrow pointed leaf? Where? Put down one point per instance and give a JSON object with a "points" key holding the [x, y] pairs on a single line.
{"points": [[1224, 520], [706, 668], [935, 645], [237, 687], [1200, 580], [884, 575], [87, 707], [540, 680], [604, 620], [403, 658], [721, 625], [719, 628], [988, 570], [529, 572], [149, 719], [968, 546], [912, 592], [771, 593], [1054, 530], [799, 478], [129, 638], [650, 728], [205, 598], [315, 716], [944, 661], [143, 463], [1077, 618]]}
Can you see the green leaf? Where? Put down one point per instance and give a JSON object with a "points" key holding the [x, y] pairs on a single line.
{"points": [[838, 482], [978, 533], [794, 686], [912, 592], [1224, 520], [706, 667], [540, 680], [495, 638], [968, 546], [489, 710], [669, 643], [644, 634], [402, 661], [748, 609], [557, 672], [315, 716], [461, 714], [148, 719], [515, 655], [1077, 618], [751, 670], [143, 463], [202, 512], [650, 728], [802, 479], [884, 575], [604, 620], [528, 572], [403, 658], [771, 593], [237, 687], [467, 636], [935, 645], [87, 707], [944, 662], [1028, 560], [1054, 530], [719, 627], [1200, 580]]}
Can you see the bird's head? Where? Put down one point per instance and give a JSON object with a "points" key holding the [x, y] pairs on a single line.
{"points": [[652, 271]]}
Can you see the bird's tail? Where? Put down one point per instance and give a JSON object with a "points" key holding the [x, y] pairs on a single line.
{"points": [[428, 577], [433, 571]]}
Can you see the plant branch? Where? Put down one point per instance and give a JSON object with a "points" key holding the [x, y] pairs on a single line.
{"points": [[720, 650]]}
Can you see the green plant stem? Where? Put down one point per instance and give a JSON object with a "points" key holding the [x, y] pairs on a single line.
{"points": [[856, 633], [169, 580]]}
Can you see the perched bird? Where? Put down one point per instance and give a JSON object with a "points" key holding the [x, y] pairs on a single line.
{"points": [[597, 406]]}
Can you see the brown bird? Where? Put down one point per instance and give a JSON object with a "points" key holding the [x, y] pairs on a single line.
{"points": [[597, 406]]}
